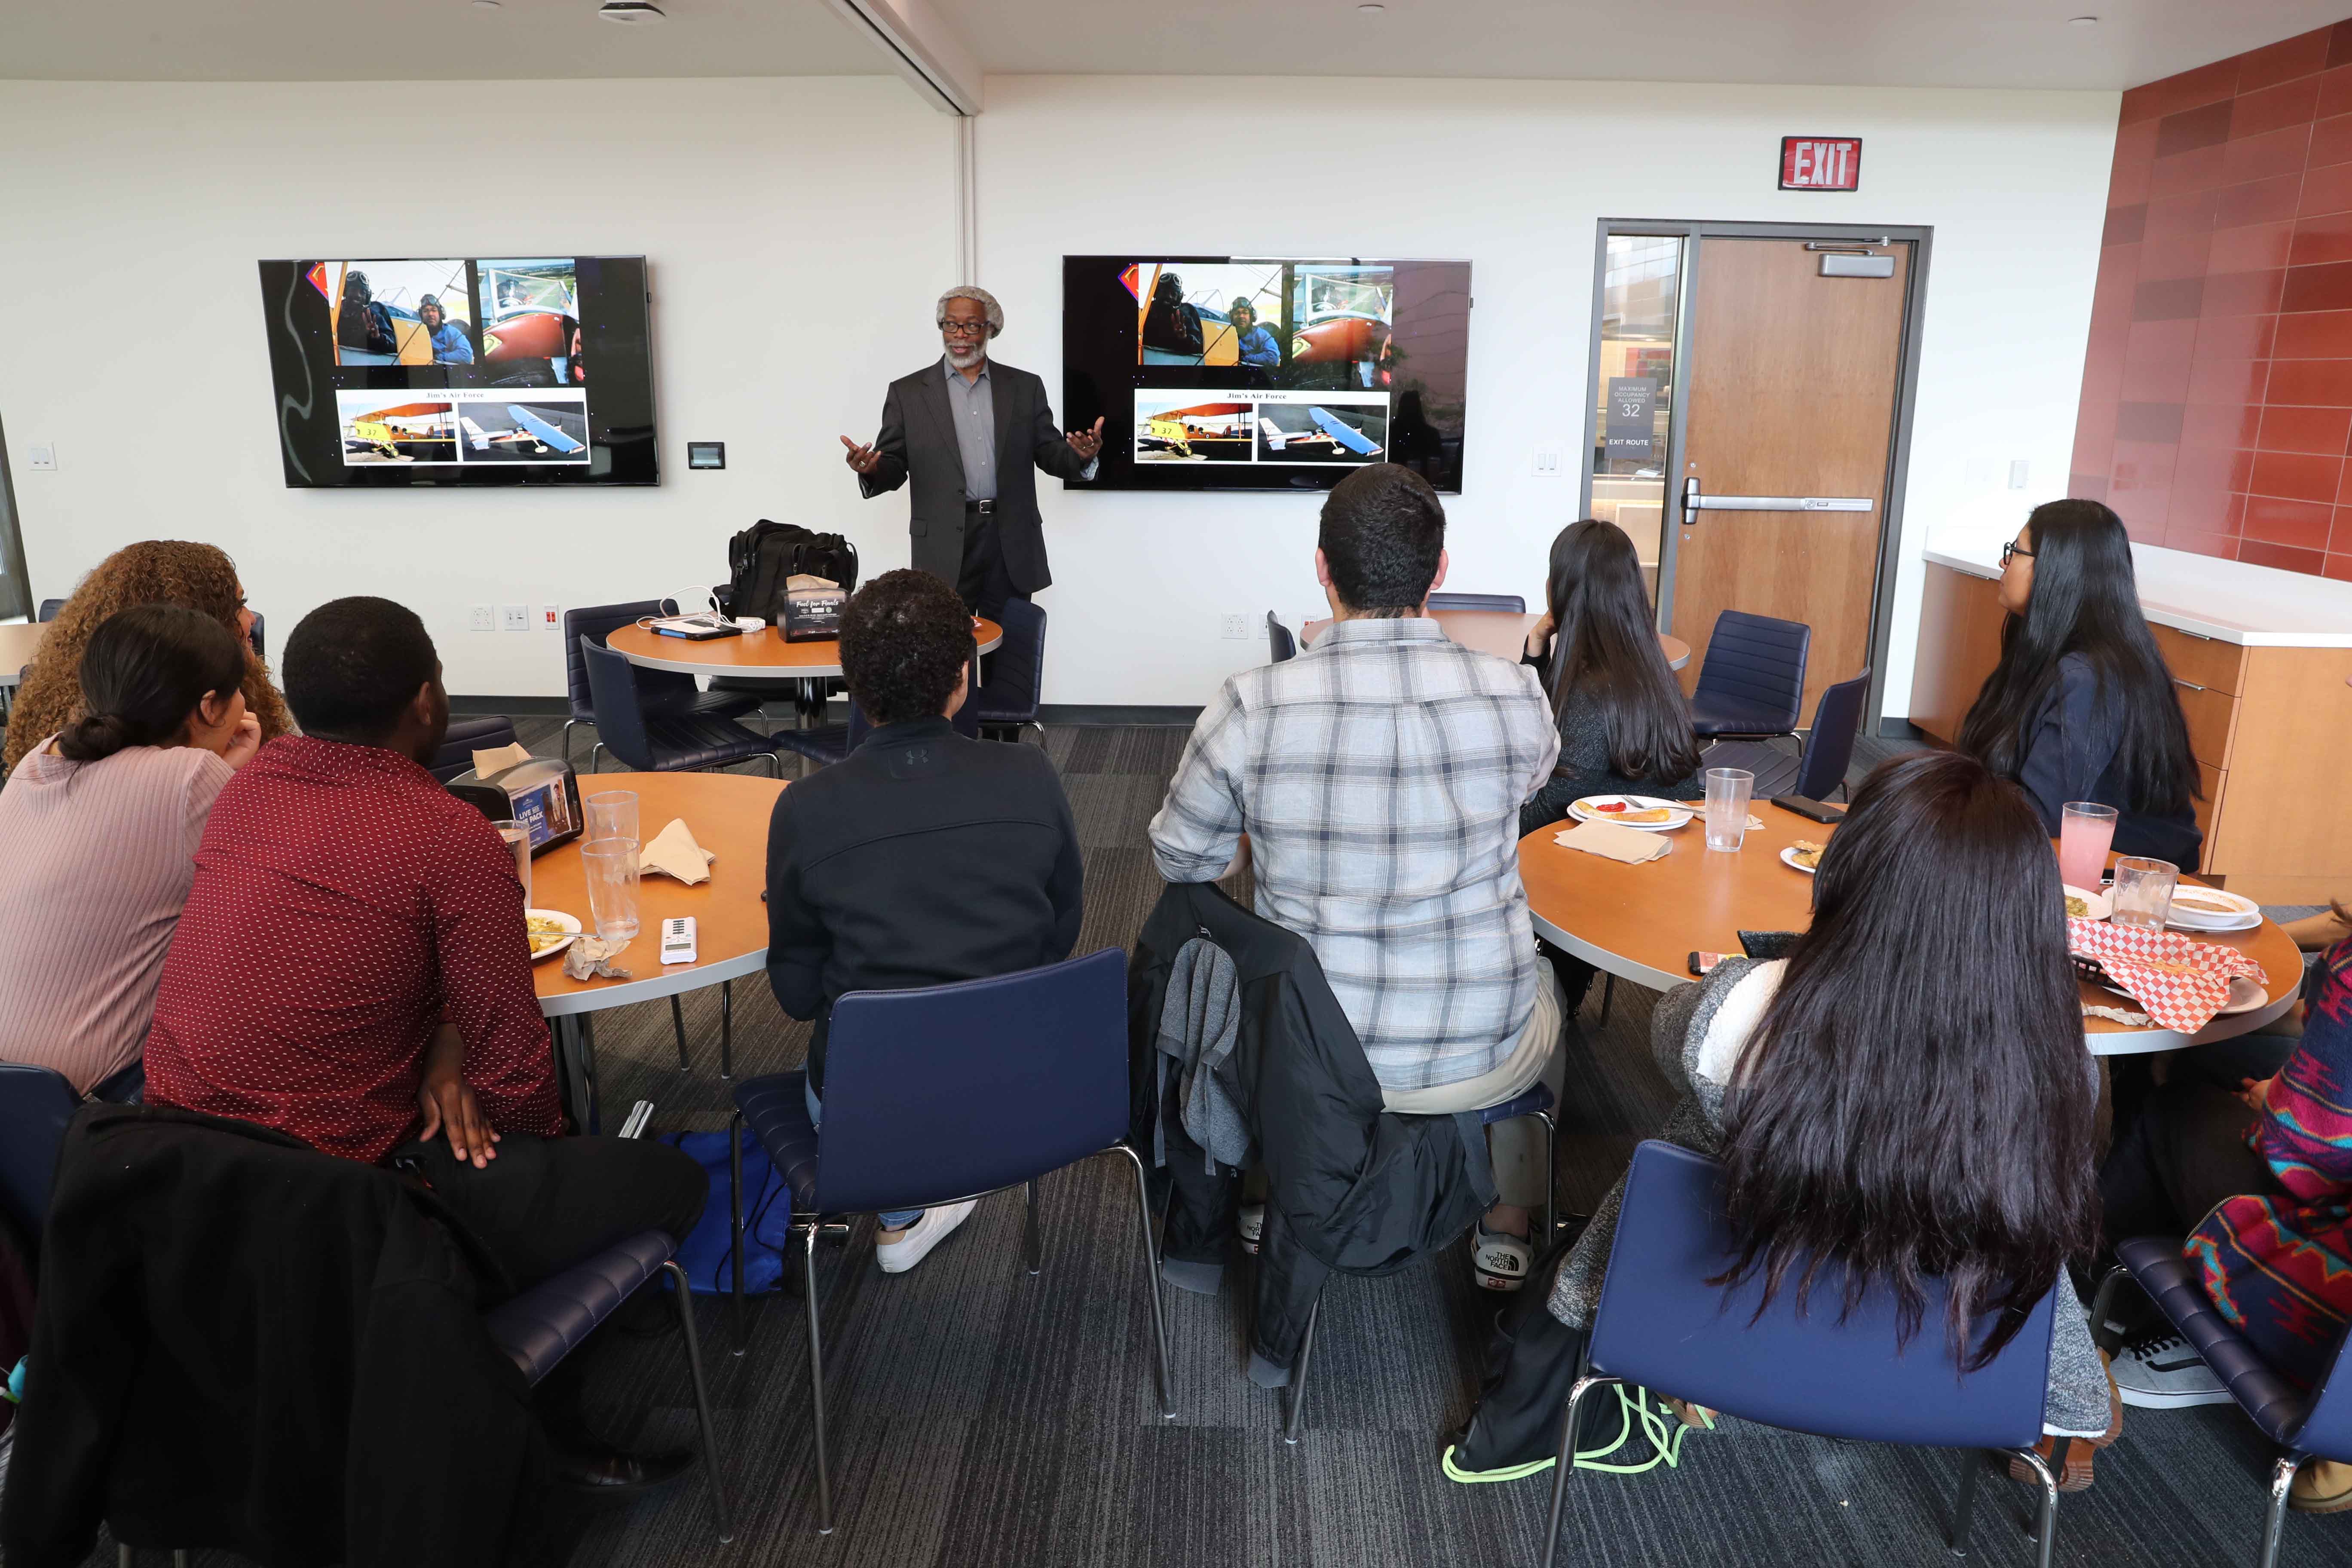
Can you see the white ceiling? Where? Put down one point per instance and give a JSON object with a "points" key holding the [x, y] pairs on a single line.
{"points": [[419, 40], [1901, 43]]}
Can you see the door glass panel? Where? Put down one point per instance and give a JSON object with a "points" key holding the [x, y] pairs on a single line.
{"points": [[1640, 297]]}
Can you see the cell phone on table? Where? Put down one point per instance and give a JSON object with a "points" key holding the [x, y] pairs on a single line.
{"points": [[1700, 963], [1810, 808]]}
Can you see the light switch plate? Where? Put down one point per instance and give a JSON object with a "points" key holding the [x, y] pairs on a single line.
{"points": [[41, 459]]}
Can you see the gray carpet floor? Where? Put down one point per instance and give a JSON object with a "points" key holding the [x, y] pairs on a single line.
{"points": [[985, 1418]]}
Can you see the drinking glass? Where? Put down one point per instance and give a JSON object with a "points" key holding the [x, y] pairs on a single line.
{"points": [[1727, 793], [2085, 831], [518, 837], [612, 814], [2144, 891], [610, 865]]}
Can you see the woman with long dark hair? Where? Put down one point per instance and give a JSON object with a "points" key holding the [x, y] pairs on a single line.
{"points": [[1907, 1094], [99, 828], [1624, 728], [2081, 706]]}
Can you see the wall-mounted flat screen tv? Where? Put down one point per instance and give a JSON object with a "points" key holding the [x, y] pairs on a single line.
{"points": [[1261, 372], [505, 370]]}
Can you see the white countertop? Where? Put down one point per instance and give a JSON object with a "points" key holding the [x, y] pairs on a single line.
{"points": [[2228, 600]]}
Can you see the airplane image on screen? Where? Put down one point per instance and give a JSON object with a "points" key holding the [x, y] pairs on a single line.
{"points": [[1330, 432], [530, 431], [1204, 430], [403, 433]]}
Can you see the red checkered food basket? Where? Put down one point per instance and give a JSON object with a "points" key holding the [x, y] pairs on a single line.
{"points": [[2182, 984]]}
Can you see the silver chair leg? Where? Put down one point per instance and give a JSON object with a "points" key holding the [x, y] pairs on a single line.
{"points": [[123, 1558], [569, 725], [726, 1031], [1964, 1506], [2275, 1522], [816, 1383], [178, 1560], [701, 1400], [1297, 1391], [1551, 1198], [735, 1219], [1033, 1240], [677, 1023], [775, 769], [2102, 1300], [1567, 1460], [2047, 1535], [1150, 1277]]}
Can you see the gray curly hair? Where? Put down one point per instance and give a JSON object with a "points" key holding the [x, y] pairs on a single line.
{"points": [[978, 296]]}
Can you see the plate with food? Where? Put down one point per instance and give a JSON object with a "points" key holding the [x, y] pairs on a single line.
{"points": [[2087, 904], [1647, 812], [2196, 908], [552, 931], [1804, 855]]}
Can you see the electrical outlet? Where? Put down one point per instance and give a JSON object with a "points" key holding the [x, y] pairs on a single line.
{"points": [[42, 458], [484, 619], [550, 617], [1237, 627], [514, 617], [2017, 472]]}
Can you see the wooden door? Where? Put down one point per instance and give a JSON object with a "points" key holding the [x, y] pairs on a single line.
{"points": [[1793, 380]]}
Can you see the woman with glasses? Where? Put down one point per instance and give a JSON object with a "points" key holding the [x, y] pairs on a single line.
{"points": [[2081, 706]]}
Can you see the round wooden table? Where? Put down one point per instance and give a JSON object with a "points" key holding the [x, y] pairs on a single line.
{"points": [[1643, 922], [1503, 633], [764, 654], [727, 815]]}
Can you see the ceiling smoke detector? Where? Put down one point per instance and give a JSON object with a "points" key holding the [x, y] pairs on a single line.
{"points": [[631, 12]]}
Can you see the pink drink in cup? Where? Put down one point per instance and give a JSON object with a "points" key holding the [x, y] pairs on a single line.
{"points": [[2087, 830]]}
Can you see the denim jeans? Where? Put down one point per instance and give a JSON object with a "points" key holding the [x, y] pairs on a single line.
{"points": [[897, 1219]]}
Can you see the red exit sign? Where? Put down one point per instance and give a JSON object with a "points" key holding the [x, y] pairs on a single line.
{"points": [[1821, 163]]}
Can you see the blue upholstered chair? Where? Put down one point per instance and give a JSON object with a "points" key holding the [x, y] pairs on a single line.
{"points": [[943, 1093], [2314, 1425], [1510, 604], [35, 1103], [48, 610], [1280, 641], [662, 742], [1752, 681], [1536, 1103], [1015, 688], [1662, 1326], [659, 690], [1821, 768]]}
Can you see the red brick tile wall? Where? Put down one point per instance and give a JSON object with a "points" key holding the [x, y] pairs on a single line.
{"points": [[2216, 395]]}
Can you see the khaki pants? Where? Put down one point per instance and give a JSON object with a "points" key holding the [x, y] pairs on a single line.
{"points": [[1516, 1146]]}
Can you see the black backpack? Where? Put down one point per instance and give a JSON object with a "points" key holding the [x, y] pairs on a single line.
{"points": [[761, 558]]}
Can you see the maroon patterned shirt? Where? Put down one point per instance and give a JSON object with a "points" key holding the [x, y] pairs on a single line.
{"points": [[343, 904]]}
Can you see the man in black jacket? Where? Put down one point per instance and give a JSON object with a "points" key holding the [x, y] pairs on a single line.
{"points": [[972, 433], [924, 857]]}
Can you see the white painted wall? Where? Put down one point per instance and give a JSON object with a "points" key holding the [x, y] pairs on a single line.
{"points": [[1513, 175], [797, 231]]}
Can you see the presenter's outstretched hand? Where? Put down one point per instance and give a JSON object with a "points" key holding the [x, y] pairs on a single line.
{"points": [[1085, 443], [863, 459]]}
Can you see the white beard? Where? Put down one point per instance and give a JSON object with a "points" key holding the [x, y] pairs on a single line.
{"points": [[965, 358]]}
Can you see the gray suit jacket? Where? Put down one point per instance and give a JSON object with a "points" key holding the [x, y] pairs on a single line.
{"points": [[918, 438]]}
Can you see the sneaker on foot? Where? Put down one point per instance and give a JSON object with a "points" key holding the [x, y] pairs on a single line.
{"points": [[899, 1251], [1499, 1260], [2321, 1485], [2159, 1372], [1253, 1225]]}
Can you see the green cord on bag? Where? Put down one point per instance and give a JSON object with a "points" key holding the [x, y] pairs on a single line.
{"points": [[1665, 1434]]}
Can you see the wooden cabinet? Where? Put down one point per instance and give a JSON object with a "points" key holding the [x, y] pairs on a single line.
{"points": [[2270, 728]]}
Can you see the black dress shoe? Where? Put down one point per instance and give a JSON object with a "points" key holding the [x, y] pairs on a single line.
{"points": [[613, 1474]]}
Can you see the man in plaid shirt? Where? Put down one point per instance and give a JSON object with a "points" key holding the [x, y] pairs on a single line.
{"points": [[1379, 777]]}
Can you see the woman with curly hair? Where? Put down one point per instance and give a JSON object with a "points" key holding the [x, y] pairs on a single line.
{"points": [[154, 572]]}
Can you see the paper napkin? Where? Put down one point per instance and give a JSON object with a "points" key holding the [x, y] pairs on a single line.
{"points": [[1628, 846], [674, 853], [497, 758]]}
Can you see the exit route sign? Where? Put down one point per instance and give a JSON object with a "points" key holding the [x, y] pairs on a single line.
{"points": [[1821, 163]]}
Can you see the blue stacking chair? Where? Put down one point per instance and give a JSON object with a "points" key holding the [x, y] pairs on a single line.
{"points": [[2317, 1425], [657, 742], [1280, 641], [1820, 770], [1536, 1102], [36, 1104], [1510, 604], [943, 1093], [659, 690], [1662, 1326], [1752, 681], [48, 610], [1014, 693]]}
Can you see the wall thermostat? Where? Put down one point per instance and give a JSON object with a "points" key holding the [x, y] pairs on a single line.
{"points": [[706, 454]]}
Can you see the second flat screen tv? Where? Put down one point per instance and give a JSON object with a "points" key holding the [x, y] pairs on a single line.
{"points": [[504, 370], [1238, 373]]}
